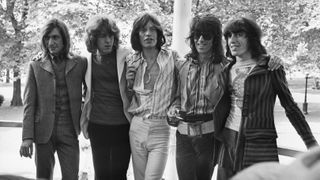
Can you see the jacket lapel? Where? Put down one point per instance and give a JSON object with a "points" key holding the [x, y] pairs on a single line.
{"points": [[260, 68], [120, 63], [46, 65], [70, 64]]}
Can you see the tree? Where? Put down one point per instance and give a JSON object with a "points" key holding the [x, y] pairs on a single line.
{"points": [[285, 24], [9, 11], [22, 20]]}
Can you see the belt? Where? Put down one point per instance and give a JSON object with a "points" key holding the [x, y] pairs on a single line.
{"points": [[197, 118], [149, 116], [196, 128]]}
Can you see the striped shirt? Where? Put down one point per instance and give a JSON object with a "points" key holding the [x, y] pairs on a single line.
{"points": [[201, 82], [153, 102]]}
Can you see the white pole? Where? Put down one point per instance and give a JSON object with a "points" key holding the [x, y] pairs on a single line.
{"points": [[181, 25]]}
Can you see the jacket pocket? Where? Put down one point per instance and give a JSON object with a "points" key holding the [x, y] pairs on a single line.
{"points": [[260, 145]]}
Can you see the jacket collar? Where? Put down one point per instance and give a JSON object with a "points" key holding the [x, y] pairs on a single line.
{"points": [[121, 53], [140, 57], [47, 65], [261, 67]]}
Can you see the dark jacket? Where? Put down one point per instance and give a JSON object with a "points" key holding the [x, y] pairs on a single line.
{"points": [[40, 99], [257, 135]]}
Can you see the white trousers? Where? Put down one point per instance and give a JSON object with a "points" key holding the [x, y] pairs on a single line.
{"points": [[149, 140]]}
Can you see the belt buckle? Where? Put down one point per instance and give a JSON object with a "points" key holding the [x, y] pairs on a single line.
{"points": [[196, 126]]}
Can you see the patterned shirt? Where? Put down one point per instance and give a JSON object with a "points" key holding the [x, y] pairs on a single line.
{"points": [[238, 74], [63, 114], [201, 81], [153, 102]]}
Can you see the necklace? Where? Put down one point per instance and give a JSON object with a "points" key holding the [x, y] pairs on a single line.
{"points": [[147, 72]]}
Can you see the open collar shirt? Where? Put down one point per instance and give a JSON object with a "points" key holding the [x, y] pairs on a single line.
{"points": [[201, 82], [153, 102]]}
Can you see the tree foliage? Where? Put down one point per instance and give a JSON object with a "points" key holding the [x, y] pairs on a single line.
{"points": [[291, 27], [285, 23]]}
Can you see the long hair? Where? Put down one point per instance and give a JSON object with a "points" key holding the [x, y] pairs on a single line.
{"points": [[138, 24], [62, 28], [210, 24], [97, 26], [253, 33]]}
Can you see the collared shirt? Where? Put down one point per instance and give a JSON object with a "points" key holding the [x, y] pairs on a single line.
{"points": [[201, 82], [153, 102]]}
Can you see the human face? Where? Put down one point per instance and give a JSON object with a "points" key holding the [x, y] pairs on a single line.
{"points": [[148, 36], [105, 43], [238, 45], [203, 42], [54, 42]]}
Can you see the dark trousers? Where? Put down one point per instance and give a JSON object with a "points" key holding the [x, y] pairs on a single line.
{"points": [[226, 170], [110, 151], [227, 155], [64, 141], [196, 156]]}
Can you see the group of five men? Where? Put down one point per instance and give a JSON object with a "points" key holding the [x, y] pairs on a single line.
{"points": [[222, 108]]}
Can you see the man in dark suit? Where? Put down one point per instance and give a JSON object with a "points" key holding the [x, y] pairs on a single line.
{"points": [[52, 104]]}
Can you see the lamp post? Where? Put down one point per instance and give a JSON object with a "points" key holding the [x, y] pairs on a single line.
{"points": [[305, 104]]}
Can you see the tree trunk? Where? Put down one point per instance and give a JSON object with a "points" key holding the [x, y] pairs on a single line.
{"points": [[7, 75], [16, 96]]}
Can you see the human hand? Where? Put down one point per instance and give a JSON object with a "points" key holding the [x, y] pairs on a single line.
{"points": [[172, 112], [131, 72], [26, 148], [130, 75], [274, 63], [173, 116]]}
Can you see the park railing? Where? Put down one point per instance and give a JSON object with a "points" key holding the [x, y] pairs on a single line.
{"points": [[5, 123]]}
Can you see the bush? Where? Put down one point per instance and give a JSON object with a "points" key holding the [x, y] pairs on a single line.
{"points": [[1, 99]]}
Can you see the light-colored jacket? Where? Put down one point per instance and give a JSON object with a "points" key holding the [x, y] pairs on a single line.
{"points": [[85, 116]]}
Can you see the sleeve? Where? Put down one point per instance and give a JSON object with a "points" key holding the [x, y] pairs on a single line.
{"points": [[129, 83], [84, 85], [292, 110], [30, 103], [176, 94], [129, 63]]}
